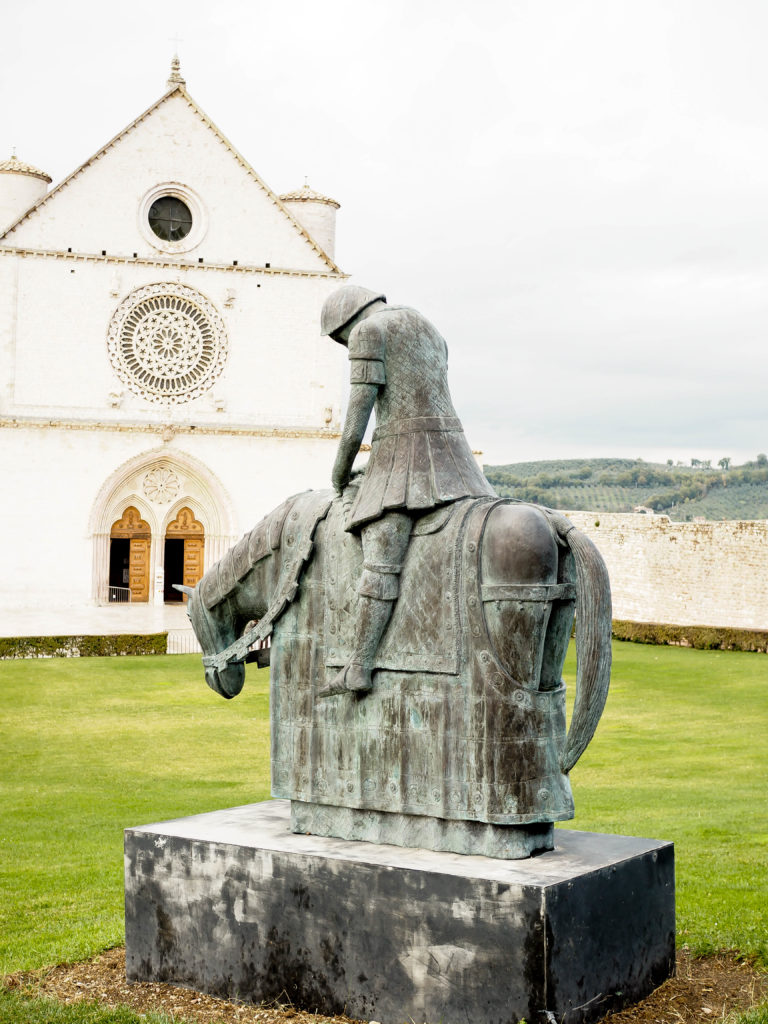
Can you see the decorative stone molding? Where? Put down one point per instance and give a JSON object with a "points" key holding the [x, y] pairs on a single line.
{"points": [[145, 482], [193, 203], [161, 485], [168, 432], [167, 343], [199, 488], [166, 263]]}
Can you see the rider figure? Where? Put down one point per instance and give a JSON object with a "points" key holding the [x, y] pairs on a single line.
{"points": [[420, 458]]}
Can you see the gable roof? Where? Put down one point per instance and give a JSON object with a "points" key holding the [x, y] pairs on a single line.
{"points": [[177, 87]]}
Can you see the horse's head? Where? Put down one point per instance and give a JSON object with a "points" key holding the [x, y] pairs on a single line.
{"points": [[215, 632]]}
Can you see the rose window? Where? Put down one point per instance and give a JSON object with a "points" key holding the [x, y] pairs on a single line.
{"points": [[167, 342]]}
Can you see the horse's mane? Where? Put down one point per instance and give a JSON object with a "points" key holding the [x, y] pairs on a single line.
{"points": [[219, 582]]}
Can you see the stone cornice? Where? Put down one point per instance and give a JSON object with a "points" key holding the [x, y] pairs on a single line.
{"points": [[168, 430], [166, 263]]}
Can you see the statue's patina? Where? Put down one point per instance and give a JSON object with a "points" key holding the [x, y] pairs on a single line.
{"points": [[419, 623], [419, 460]]}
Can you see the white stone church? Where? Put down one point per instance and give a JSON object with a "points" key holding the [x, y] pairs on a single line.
{"points": [[163, 382]]}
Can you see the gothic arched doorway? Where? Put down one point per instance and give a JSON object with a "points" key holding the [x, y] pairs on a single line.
{"points": [[160, 484], [129, 548], [184, 550]]}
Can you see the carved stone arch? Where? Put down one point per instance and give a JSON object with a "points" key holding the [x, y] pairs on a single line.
{"points": [[130, 524], [116, 508], [160, 482], [185, 524], [197, 509], [205, 487]]}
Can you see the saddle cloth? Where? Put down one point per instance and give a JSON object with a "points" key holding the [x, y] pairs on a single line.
{"points": [[424, 632]]}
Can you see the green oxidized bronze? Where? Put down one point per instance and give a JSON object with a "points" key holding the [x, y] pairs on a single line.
{"points": [[419, 623], [419, 460]]}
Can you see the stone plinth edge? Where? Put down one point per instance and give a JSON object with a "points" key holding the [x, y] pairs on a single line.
{"points": [[235, 904]]}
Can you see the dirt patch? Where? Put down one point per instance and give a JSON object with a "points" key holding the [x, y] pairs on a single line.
{"points": [[704, 989]]}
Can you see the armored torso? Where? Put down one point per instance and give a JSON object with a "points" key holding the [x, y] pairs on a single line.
{"points": [[420, 457]]}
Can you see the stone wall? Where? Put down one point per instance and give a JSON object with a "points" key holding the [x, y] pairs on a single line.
{"points": [[69, 483], [124, 356], [706, 574]]}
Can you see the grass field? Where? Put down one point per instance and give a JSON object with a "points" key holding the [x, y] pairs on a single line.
{"points": [[16, 1008], [91, 746], [681, 754]]}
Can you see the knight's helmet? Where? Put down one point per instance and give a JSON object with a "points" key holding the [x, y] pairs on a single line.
{"points": [[344, 304]]}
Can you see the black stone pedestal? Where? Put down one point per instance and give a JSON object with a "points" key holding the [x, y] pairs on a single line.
{"points": [[234, 904]]}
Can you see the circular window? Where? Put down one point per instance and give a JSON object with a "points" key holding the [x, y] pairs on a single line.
{"points": [[167, 343], [170, 218]]}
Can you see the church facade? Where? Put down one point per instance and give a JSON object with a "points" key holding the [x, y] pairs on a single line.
{"points": [[163, 382]]}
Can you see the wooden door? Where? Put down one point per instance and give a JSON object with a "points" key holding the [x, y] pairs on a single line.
{"points": [[186, 527], [138, 568], [132, 527], [193, 560]]}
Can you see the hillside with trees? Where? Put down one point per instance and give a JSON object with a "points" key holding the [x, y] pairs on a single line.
{"points": [[684, 493]]}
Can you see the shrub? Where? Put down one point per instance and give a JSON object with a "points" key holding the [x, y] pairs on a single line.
{"points": [[703, 638], [82, 646]]}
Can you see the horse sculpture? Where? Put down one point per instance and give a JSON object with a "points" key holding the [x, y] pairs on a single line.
{"points": [[461, 745]]}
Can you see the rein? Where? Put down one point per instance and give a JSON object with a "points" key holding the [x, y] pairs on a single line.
{"points": [[239, 649], [286, 592]]}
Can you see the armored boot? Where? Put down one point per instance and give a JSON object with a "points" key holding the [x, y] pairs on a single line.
{"points": [[378, 592]]}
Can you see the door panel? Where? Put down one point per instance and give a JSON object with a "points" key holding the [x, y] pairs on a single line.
{"points": [[193, 560], [186, 527], [131, 527], [139, 569]]}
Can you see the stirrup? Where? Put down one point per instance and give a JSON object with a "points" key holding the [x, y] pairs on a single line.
{"points": [[353, 678]]}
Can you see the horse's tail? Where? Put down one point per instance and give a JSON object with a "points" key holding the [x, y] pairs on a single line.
{"points": [[593, 640]]}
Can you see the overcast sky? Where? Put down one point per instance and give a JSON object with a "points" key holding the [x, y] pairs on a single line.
{"points": [[574, 191]]}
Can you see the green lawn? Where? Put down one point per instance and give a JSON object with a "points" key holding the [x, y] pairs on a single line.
{"points": [[682, 754], [17, 1008], [90, 746]]}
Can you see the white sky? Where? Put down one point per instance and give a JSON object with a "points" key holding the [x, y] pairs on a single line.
{"points": [[574, 191]]}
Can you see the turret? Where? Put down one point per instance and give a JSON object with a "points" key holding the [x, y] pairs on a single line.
{"points": [[317, 215], [21, 186]]}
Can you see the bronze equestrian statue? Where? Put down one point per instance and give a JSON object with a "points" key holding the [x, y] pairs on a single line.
{"points": [[418, 622]]}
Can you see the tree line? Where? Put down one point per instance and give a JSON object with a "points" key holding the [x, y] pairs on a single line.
{"points": [[671, 484]]}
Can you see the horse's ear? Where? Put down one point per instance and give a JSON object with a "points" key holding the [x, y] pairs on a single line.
{"points": [[189, 591]]}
